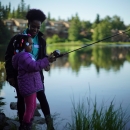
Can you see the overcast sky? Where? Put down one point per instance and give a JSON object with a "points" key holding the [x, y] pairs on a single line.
{"points": [[87, 9]]}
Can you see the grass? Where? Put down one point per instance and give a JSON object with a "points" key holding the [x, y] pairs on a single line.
{"points": [[85, 117]]}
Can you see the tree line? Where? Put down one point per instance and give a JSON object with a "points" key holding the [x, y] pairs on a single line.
{"points": [[78, 30], [7, 12], [99, 29]]}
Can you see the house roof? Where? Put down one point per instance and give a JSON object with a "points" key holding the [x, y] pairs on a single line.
{"points": [[52, 23], [16, 21]]}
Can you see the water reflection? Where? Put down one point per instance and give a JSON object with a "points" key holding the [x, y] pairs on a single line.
{"points": [[105, 57]]}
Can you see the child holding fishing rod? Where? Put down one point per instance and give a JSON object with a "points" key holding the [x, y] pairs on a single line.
{"points": [[29, 79]]}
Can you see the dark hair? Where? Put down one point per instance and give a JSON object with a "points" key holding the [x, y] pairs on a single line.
{"points": [[35, 14], [19, 42]]}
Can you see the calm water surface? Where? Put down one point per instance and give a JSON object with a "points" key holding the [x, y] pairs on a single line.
{"points": [[101, 72]]}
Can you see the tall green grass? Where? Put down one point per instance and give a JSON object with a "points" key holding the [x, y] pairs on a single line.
{"points": [[92, 117]]}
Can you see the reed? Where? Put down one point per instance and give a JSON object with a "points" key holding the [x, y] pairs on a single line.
{"points": [[91, 117]]}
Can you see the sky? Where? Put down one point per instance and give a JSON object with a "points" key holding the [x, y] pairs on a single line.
{"points": [[87, 10]]}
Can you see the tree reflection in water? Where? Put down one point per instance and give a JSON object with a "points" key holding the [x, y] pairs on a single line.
{"points": [[106, 57]]}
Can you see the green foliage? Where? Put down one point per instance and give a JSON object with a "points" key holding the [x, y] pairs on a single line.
{"points": [[72, 58], [74, 30], [85, 40], [100, 55], [49, 40], [86, 25], [54, 39], [117, 23], [85, 29], [20, 12], [128, 33], [102, 59], [102, 30], [128, 57], [49, 16], [42, 29], [97, 21], [5, 34]]}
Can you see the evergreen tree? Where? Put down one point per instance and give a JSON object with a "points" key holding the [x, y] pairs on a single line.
{"points": [[9, 11], [28, 7], [97, 21], [5, 11], [102, 30], [74, 30], [128, 33], [22, 10], [117, 23], [18, 13], [13, 15], [49, 16]]}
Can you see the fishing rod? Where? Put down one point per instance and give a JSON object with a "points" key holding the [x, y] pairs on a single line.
{"points": [[57, 54]]}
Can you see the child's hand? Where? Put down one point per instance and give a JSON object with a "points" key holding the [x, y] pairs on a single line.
{"points": [[47, 68], [51, 58]]}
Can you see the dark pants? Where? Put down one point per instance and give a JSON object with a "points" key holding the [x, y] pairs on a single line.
{"points": [[41, 98]]}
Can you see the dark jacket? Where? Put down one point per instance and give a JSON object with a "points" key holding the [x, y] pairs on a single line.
{"points": [[29, 80], [10, 72]]}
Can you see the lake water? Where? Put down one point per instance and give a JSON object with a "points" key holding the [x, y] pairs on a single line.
{"points": [[101, 72]]}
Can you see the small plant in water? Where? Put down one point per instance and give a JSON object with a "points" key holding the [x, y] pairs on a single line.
{"points": [[85, 117]]}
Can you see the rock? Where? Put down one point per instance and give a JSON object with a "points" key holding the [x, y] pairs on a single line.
{"points": [[13, 122], [2, 118], [1, 98], [13, 106], [5, 123], [8, 124], [36, 113], [39, 120]]}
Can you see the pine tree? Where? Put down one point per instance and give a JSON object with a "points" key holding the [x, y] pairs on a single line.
{"points": [[74, 30]]}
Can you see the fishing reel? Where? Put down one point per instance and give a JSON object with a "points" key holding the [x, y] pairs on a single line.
{"points": [[56, 53]]}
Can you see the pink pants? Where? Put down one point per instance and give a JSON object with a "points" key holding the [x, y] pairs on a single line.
{"points": [[30, 103]]}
